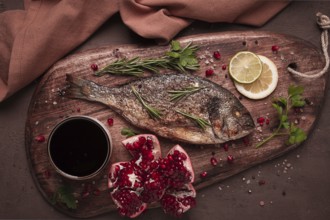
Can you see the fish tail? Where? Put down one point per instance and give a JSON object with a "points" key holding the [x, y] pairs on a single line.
{"points": [[81, 88]]}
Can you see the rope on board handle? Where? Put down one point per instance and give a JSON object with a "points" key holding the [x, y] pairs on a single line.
{"points": [[324, 23]]}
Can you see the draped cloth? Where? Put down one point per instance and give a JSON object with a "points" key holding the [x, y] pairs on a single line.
{"points": [[33, 39]]}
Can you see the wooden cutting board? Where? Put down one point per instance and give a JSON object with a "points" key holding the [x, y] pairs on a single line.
{"points": [[48, 107]]}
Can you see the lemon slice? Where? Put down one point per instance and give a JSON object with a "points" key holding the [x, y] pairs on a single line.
{"points": [[245, 67], [264, 85]]}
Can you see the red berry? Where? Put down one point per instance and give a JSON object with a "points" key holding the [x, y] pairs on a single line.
{"points": [[40, 138], [217, 55], [209, 72], [94, 67], [96, 192], [226, 146], [262, 182], [261, 121], [203, 174], [246, 141], [230, 159], [275, 48], [224, 67], [110, 121], [214, 161], [47, 174]]}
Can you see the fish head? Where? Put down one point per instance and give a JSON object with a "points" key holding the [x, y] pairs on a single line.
{"points": [[229, 119]]}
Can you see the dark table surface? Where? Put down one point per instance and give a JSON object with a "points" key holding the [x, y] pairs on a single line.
{"points": [[297, 184]]}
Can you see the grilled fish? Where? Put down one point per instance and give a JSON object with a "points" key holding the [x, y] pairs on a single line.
{"points": [[186, 108]]}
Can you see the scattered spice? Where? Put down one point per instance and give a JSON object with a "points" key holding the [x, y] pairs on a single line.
{"points": [[261, 203]]}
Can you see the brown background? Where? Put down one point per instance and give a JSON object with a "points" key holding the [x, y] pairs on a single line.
{"points": [[303, 192]]}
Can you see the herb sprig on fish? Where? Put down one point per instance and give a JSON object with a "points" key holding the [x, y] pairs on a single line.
{"points": [[178, 58], [200, 121], [177, 95], [153, 112]]}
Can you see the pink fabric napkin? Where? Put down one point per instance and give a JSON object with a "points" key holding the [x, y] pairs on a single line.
{"points": [[35, 38]]}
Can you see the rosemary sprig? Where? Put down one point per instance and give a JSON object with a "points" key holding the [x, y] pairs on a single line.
{"points": [[177, 95], [177, 58], [153, 112], [200, 121]]}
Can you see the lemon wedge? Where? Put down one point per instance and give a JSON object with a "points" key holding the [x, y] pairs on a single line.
{"points": [[264, 85], [245, 67]]}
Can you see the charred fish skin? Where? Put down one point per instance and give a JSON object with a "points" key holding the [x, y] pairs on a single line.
{"points": [[227, 117]]}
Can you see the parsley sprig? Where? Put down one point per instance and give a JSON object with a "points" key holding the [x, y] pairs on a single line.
{"points": [[178, 58], [283, 106], [128, 132]]}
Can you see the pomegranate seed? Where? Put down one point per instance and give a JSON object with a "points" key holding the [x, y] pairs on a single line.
{"points": [[224, 67], [142, 140], [96, 192], [230, 159], [94, 67], [78, 109], [275, 48], [214, 161], [47, 174], [209, 72], [226, 146], [40, 138], [203, 174], [267, 121], [217, 55], [110, 121], [262, 182], [246, 141], [261, 121]]}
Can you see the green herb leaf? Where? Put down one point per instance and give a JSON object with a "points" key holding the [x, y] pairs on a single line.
{"points": [[128, 132], [178, 58], [297, 135], [177, 95], [200, 121], [282, 106], [175, 45], [153, 112], [64, 194], [295, 90]]}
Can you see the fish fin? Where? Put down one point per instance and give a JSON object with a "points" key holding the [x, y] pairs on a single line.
{"points": [[80, 88]]}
